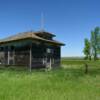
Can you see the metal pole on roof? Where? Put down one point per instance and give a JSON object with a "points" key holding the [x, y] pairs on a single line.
{"points": [[42, 21]]}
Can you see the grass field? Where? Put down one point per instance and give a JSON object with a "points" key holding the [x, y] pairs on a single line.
{"points": [[67, 83]]}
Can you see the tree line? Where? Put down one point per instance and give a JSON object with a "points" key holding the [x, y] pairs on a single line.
{"points": [[92, 46]]}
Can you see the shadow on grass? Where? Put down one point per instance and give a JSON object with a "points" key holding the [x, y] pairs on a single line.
{"points": [[20, 70], [13, 70]]}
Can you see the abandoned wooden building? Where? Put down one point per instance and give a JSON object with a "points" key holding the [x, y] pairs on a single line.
{"points": [[33, 49]]}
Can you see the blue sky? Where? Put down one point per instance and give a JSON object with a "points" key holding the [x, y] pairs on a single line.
{"points": [[70, 20]]}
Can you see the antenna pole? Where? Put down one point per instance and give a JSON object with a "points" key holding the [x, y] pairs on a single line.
{"points": [[42, 21]]}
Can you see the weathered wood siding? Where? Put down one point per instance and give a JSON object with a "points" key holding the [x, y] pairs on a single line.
{"points": [[40, 57], [38, 53]]}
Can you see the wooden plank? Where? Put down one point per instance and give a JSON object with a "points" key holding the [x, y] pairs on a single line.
{"points": [[30, 58], [8, 57]]}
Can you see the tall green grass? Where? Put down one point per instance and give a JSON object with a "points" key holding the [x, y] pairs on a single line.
{"points": [[67, 83]]}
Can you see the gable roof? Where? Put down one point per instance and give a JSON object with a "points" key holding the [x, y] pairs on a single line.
{"points": [[29, 35]]}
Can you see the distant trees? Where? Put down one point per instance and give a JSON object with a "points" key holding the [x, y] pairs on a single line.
{"points": [[92, 46]]}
